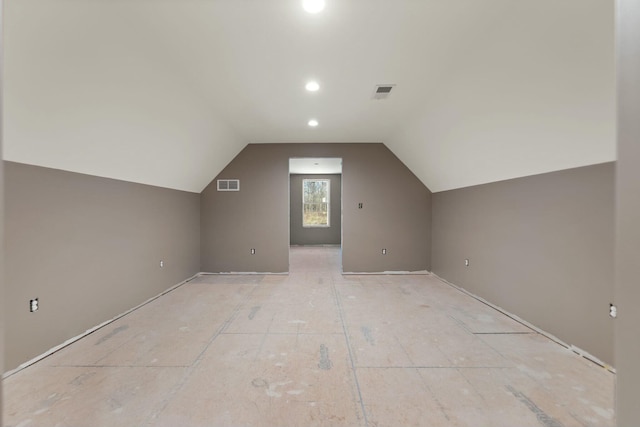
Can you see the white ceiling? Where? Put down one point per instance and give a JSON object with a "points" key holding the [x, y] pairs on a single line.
{"points": [[315, 165], [167, 92]]}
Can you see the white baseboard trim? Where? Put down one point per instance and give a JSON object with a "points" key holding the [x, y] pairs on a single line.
{"points": [[552, 337], [387, 273], [91, 330], [242, 273], [319, 245]]}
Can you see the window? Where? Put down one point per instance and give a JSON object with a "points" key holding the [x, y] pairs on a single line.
{"points": [[315, 202]]}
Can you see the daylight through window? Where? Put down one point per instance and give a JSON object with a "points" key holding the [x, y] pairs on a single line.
{"points": [[315, 203]]}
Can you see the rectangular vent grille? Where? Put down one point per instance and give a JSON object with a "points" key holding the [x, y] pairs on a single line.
{"points": [[228, 185], [382, 91]]}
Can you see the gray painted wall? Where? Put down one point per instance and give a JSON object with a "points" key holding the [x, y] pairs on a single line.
{"points": [[89, 248], [540, 247], [627, 290], [300, 235], [396, 213], [2, 297]]}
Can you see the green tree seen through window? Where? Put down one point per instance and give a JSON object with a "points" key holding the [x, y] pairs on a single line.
{"points": [[315, 203]]}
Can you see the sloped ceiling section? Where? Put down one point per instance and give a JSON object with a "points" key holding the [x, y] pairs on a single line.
{"points": [[537, 95], [87, 90], [167, 92]]}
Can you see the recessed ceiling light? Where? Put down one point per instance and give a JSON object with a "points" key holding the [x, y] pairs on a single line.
{"points": [[312, 86], [313, 6], [313, 123]]}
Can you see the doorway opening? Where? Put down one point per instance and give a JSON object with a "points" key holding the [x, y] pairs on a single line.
{"points": [[315, 202]]}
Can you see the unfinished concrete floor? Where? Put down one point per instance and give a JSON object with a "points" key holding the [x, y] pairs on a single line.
{"points": [[312, 348]]}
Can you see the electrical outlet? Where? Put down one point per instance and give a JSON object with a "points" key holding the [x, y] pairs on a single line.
{"points": [[33, 305], [384, 252], [161, 263], [613, 311], [359, 205], [253, 251], [466, 263]]}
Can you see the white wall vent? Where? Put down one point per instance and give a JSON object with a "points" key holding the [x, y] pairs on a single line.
{"points": [[382, 91], [228, 185]]}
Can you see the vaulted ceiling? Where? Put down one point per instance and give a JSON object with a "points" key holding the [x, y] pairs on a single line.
{"points": [[167, 92]]}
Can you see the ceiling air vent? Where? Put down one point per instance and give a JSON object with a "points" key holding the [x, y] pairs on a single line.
{"points": [[382, 91], [228, 185]]}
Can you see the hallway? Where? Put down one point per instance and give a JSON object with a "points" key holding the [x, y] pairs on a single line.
{"points": [[312, 348]]}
